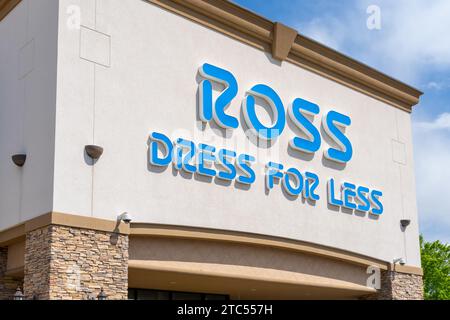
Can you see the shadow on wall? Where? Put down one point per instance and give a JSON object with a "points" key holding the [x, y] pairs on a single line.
{"points": [[150, 167], [296, 153], [221, 132], [328, 163], [357, 213], [273, 61], [189, 175]]}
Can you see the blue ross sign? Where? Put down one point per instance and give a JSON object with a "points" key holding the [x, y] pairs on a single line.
{"points": [[202, 158]]}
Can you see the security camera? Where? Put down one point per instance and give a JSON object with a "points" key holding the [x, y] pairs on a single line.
{"points": [[125, 217], [401, 261]]}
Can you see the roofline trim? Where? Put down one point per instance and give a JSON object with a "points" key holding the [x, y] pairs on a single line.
{"points": [[272, 37], [6, 7], [18, 232], [243, 25]]}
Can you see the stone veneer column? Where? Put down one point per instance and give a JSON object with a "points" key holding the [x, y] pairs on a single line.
{"points": [[72, 263], [398, 286], [8, 285]]}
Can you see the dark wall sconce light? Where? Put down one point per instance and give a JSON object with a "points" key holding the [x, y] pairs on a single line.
{"points": [[19, 159], [94, 151], [405, 222]]}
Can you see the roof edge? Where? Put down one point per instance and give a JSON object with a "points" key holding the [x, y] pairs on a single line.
{"points": [[244, 25], [6, 7], [284, 44]]}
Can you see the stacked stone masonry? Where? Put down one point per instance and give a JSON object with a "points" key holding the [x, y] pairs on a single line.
{"points": [[8, 285], [405, 286], [71, 264], [399, 286], [74, 264]]}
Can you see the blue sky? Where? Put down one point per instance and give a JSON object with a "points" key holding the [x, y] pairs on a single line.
{"points": [[412, 45]]}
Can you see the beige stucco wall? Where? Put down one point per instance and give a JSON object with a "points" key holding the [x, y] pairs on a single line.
{"points": [[129, 71], [142, 76], [16, 256], [28, 55]]}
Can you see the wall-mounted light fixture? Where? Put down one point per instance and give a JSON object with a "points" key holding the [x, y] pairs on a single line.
{"points": [[18, 295], [102, 295], [405, 222], [94, 151], [19, 159]]}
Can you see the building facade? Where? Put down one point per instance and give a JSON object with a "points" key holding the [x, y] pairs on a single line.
{"points": [[195, 150]]}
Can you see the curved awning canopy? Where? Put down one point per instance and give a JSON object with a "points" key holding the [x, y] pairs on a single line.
{"points": [[240, 282], [241, 270]]}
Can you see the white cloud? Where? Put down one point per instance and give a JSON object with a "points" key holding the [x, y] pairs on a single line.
{"points": [[322, 31], [432, 162], [416, 33], [438, 85], [440, 123], [413, 35], [412, 44], [434, 85]]}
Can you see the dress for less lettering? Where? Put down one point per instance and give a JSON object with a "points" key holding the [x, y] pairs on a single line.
{"points": [[228, 165]]}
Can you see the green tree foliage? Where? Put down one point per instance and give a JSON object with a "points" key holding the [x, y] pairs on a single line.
{"points": [[436, 269]]}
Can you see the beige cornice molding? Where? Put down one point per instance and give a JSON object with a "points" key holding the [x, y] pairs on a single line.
{"points": [[283, 39], [285, 44], [6, 6], [405, 269], [243, 238], [17, 233], [12, 234], [82, 222]]}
